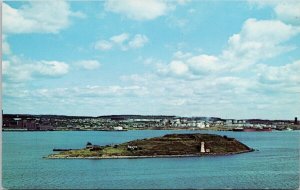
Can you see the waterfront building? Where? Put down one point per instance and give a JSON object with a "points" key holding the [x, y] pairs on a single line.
{"points": [[119, 128]]}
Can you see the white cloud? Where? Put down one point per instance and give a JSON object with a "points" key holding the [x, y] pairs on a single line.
{"points": [[49, 68], [267, 30], [181, 55], [5, 46], [138, 10], [204, 63], [286, 11], [234, 77], [37, 16], [212, 94], [114, 90], [288, 74], [191, 66], [17, 69], [5, 66], [258, 40], [138, 79], [85, 92], [13, 70], [178, 68], [103, 45], [122, 41], [201, 92], [89, 64], [138, 41]]}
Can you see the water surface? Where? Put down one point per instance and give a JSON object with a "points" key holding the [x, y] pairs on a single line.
{"points": [[274, 166]]}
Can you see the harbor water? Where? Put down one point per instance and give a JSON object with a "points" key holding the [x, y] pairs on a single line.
{"points": [[275, 165]]}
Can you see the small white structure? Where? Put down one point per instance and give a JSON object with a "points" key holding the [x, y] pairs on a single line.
{"points": [[201, 125], [118, 128], [202, 150], [132, 147]]}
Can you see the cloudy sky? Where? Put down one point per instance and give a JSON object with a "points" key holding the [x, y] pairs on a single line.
{"points": [[229, 59]]}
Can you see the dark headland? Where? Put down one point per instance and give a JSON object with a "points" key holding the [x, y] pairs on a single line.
{"points": [[171, 145]]}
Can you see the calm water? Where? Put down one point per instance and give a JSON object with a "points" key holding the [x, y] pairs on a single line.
{"points": [[275, 165]]}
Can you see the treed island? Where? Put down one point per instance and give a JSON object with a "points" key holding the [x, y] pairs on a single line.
{"points": [[171, 145]]}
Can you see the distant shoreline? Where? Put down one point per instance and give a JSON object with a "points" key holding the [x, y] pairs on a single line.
{"points": [[23, 130], [207, 129]]}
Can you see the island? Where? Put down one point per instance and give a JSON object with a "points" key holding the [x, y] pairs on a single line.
{"points": [[170, 145]]}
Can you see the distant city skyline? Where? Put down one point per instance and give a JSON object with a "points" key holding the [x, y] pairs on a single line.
{"points": [[227, 59], [18, 115]]}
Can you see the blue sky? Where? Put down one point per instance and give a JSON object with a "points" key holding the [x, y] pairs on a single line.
{"points": [[229, 59]]}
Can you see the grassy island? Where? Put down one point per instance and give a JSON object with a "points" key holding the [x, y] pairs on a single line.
{"points": [[171, 145]]}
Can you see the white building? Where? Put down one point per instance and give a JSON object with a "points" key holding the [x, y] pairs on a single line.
{"points": [[201, 125], [119, 128]]}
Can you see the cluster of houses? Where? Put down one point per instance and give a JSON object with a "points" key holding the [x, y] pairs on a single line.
{"points": [[123, 123], [30, 124]]}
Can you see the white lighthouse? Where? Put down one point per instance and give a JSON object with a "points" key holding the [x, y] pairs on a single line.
{"points": [[202, 150]]}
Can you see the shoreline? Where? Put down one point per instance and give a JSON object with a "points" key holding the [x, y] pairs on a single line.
{"points": [[172, 129], [16, 130], [154, 156]]}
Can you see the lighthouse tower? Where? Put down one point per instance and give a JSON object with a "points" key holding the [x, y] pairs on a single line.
{"points": [[202, 150]]}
